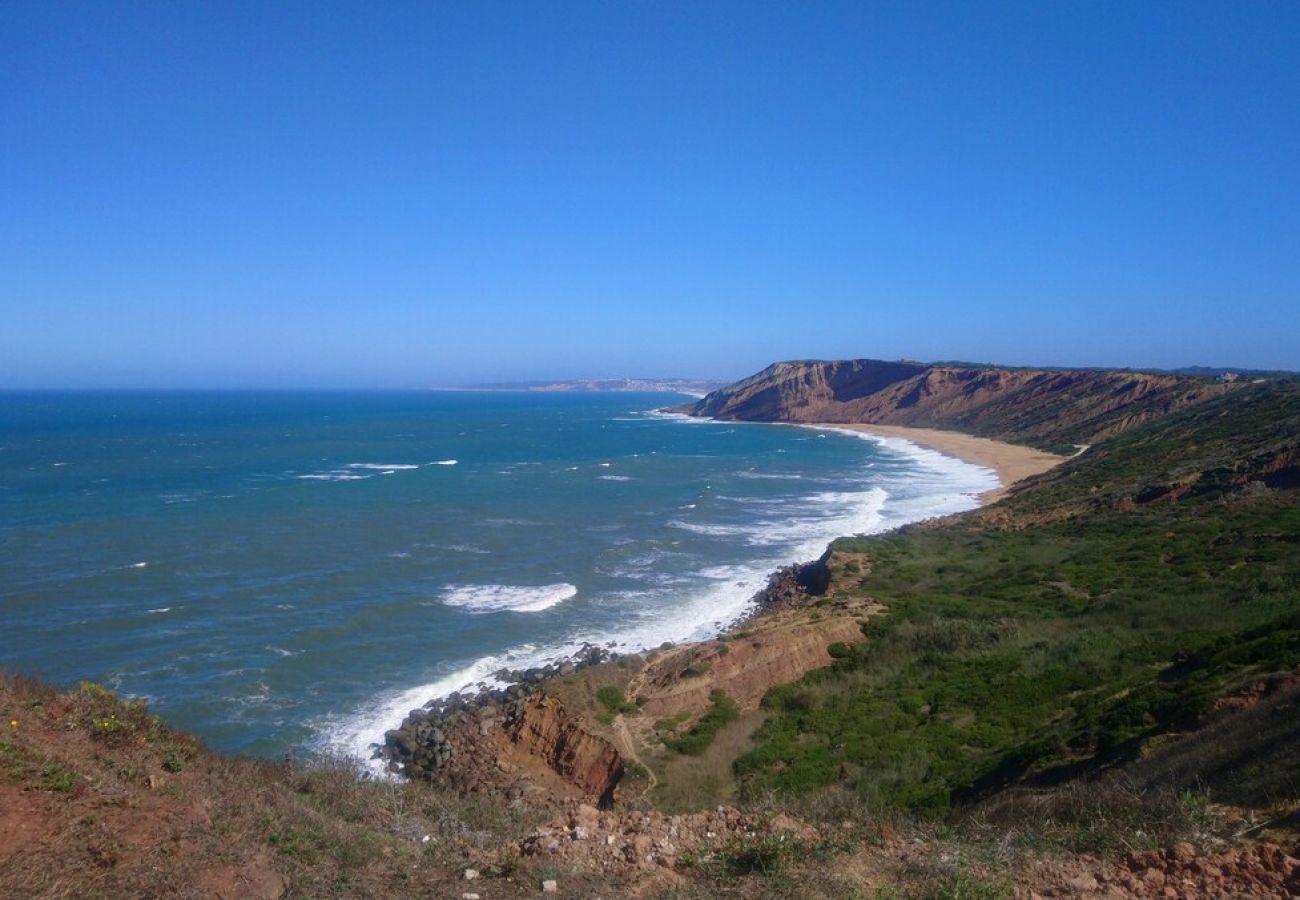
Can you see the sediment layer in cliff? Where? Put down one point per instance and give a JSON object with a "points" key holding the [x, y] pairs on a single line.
{"points": [[1051, 409]]}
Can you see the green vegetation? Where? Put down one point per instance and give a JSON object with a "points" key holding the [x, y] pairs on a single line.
{"points": [[695, 670], [611, 697], [1008, 654], [700, 735]]}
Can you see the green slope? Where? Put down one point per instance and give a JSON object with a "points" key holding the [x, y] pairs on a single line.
{"points": [[1062, 630]]}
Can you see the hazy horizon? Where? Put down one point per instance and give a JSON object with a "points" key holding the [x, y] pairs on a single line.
{"points": [[336, 196]]}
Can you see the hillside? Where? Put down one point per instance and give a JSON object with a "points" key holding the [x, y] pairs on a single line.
{"points": [[1054, 410], [1104, 608]]}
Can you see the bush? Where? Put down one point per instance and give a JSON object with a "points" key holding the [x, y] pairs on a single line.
{"points": [[696, 740], [611, 697]]}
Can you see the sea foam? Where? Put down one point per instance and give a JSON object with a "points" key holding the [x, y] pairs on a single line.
{"points": [[488, 598]]}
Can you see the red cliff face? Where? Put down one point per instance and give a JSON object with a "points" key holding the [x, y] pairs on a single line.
{"points": [[1049, 409], [547, 731]]}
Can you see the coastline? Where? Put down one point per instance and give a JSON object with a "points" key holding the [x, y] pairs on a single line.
{"points": [[410, 748], [485, 681], [1010, 462]]}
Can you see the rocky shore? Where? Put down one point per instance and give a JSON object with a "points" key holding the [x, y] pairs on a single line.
{"points": [[520, 739]]}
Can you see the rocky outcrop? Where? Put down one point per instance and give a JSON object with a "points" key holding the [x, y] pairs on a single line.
{"points": [[545, 730], [457, 740], [744, 667], [1054, 410]]}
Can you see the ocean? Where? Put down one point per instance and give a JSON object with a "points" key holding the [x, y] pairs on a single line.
{"points": [[279, 570]]}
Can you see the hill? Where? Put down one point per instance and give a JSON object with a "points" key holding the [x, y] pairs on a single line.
{"points": [[1054, 410]]}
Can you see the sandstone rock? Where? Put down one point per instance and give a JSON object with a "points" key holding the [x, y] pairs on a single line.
{"points": [[1082, 883], [471, 874], [550, 886]]}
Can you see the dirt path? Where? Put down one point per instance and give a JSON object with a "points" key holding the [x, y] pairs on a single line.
{"points": [[628, 746]]}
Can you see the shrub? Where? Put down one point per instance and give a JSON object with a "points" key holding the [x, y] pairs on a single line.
{"points": [[611, 697], [698, 738]]}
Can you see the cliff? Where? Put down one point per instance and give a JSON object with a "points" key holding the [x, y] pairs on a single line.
{"points": [[1051, 409]]}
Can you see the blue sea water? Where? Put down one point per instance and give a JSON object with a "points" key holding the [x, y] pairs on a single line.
{"points": [[277, 570]]}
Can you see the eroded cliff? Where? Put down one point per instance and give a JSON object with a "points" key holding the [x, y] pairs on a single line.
{"points": [[1052, 409]]}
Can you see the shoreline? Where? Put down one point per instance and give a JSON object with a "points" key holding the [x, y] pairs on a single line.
{"points": [[1011, 463], [1008, 462]]}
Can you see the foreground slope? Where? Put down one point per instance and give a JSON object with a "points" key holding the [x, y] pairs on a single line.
{"points": [[1050, 409]]}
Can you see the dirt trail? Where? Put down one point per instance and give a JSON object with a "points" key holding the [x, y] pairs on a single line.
{"points": [[627, 744]]}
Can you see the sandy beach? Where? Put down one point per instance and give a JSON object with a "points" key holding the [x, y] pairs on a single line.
{"points": [[1011, 462]]}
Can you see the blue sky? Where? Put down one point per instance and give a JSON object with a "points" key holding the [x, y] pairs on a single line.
{"points": [[350, 194]]}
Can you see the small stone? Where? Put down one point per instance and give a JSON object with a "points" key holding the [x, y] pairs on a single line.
{"points": [[156, 781], [1083, 883], [471, 874], [550, 886], [469, 897]]}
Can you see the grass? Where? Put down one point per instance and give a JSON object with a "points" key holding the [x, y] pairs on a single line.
{"points": [[1008, 655], [722, 710], [136, 809], [612, 699]]}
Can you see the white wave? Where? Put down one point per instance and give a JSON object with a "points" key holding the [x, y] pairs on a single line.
{"points": [[358, 734], [460, 548], [334, 476], [280, 651], [139, 565], [605, 465], [161, 609], [711, 530], [486, 598], [951, 472], [614, 477], [444, 462], [390, 466], [672, 416], [769, 476]]}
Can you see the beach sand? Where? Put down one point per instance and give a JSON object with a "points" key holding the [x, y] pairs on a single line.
{"points": [[1011, 462]]}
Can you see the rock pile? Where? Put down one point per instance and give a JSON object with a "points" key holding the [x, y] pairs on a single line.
{"points": [[1265, 870], [587, 837], [790, 587]]}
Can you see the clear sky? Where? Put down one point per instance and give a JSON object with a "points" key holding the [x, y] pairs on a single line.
{"points": [[362, 194]]}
